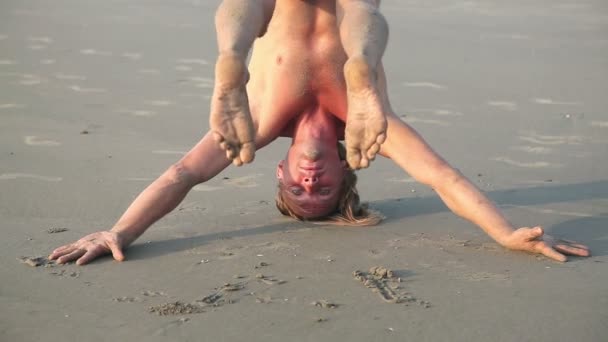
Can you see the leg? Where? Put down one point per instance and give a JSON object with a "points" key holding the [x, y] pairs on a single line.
{"points": [[238, 24], [364, 34]]}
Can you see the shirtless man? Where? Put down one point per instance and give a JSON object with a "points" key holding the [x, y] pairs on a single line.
{"points": [[315, 69]]}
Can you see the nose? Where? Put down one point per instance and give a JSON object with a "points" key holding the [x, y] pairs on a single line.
{"points": [[311, 180]]}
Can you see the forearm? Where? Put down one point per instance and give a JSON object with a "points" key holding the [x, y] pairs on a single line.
{"points": [[157, 200], [468, 202]]}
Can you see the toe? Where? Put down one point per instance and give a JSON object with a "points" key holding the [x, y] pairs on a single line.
{"points": [[230, 152], [247, 153], [218, 137], [237, 161], [371, 153], [381, 138], [353, 157], [364, 163]]}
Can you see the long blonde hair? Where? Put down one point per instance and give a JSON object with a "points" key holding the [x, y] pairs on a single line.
{"points": [[349, 212]]}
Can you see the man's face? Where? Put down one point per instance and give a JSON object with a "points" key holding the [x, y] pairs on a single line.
{"points": [[311, 177]]}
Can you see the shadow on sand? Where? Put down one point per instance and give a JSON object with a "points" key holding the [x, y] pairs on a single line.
{"points": [[592, 231]]}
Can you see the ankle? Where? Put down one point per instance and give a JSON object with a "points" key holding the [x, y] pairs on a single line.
{"points": [[359, 75], [231, 71]]}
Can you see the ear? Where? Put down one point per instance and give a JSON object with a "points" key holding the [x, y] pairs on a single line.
{"points": [[280, 170]]}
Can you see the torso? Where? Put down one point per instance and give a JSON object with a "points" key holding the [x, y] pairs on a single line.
{"points": [[296, 68]]}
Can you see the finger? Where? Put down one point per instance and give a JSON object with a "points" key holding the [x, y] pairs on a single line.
{"points": [[89, 256], [574, 244], [566, 249], [224, 145], [61, 251], [71, 256], [58, 250], [551, 253], [116, 251]]}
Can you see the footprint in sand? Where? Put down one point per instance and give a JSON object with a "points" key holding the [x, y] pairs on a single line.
{"points": [[61, 76], [602, 124], [402, 180], [33, 140], [80, 89], [11, 105], [136, 112], [533, 149], [93, 52], [205, 187], [43, 40], [148, 71], [181, 153], [429, 85], [158, 103], [413, 119], [29, 80], [530, 165], [134, 56], [183, 68], [10, 176], [243, 182], [195, 61], [535, 138], [434, 111], [505, 105], [548, 101]]}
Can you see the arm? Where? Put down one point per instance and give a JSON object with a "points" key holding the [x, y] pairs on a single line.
{"points": [[406, 148], [201, 164]]}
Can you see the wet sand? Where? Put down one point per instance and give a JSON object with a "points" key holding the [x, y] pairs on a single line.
{"points": [[99, 98]]}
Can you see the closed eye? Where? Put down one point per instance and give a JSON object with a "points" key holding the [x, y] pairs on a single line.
{"points": [[296, 191]]}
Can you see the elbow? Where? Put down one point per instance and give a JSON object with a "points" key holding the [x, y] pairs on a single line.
{"points": [[178, 173]]}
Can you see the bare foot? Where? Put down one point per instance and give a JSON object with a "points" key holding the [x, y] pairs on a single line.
{"points": [[365, 122], [230, 119]]}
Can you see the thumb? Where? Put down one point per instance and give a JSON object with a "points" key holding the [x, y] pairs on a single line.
{"points": [[534, 233], [117, 252]]}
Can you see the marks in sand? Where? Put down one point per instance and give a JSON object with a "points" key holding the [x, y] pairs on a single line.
{"points": [[383, 282]]}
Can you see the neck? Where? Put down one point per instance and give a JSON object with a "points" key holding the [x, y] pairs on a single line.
{"points": [[316, 125]]}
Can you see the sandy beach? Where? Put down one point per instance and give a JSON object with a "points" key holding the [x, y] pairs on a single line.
{"points": [[97, 99]]}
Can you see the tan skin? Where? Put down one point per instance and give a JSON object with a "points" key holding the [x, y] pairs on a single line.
{"points": [[299, 86]]}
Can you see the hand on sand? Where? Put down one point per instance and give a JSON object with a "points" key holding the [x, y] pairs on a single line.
{"points": [[534, 240], [230, 118], [89, 248]]}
